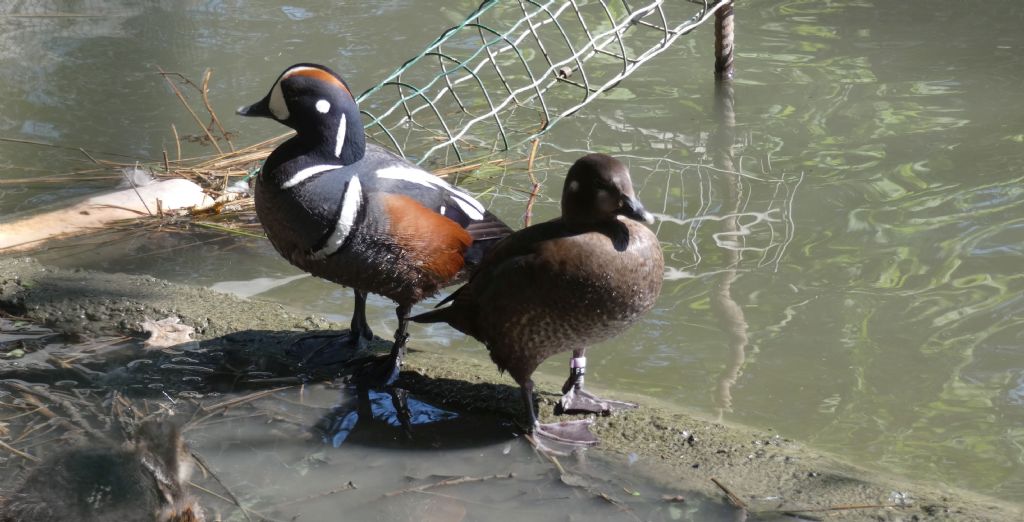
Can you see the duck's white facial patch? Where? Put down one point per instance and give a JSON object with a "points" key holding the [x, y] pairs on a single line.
{"points": [[574, 186], [469, 206], [339, 140], [350, 204], [278, 107], [307, 173], [323, 106]]}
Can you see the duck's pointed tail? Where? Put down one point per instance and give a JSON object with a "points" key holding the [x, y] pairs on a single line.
{"points": [[438, 315]]}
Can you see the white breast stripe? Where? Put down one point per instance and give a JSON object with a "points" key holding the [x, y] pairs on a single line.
{"points": [[307, 173], [350, 204], [339, 140], [470, 206]]}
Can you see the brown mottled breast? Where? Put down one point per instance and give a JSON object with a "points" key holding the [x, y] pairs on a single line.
{"points": [[566, 291]]}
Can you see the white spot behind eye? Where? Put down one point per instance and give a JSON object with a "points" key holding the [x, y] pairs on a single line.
{"points": [[574, 186], [323, 106]]}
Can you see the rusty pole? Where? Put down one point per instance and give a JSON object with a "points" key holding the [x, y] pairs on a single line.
{"points": [[724, 48]]}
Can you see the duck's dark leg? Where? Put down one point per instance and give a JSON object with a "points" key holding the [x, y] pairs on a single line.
{"points": [[380, 372], [556, 437], [577, 400], [401, 336], [360, 334]]}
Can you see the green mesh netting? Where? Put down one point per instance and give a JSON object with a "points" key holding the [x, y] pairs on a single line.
{"points": [[512, 69]]}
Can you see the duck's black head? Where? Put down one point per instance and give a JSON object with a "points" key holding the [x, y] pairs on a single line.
{"points": [[597, 189], [318, 104]]}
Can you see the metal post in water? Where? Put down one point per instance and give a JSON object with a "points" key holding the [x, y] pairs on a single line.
{"points": [[724, 43]]}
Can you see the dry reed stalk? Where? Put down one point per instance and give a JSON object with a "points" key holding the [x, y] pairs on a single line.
{"points": [[528, 215], [205, 92], [177, 92], [18, 452]]}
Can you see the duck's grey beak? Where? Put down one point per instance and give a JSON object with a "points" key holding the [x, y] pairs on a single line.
{"points": [[633, 209], [260, 108]]}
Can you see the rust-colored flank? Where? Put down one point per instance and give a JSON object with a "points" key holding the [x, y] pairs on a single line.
{"points": [[436, 241]]}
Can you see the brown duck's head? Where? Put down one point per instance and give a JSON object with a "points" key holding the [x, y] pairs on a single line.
{"points": [[598, 188]]}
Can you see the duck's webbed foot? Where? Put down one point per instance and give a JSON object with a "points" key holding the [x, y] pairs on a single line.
{"points": [[578, 400], [559, 438]]}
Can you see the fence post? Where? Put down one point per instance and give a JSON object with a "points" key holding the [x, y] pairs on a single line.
{"points": [[724, 43]]}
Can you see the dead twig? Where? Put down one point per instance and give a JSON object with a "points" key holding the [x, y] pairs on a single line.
{"points": [[733, 499], [72, 413], [177, 92], [177, 141], [230, 403], [205, 93], [528, 216], [449, 482], [18, 452], [346, 487], [231, 495]]}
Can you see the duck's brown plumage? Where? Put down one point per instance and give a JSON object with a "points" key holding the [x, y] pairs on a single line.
{"points": [[567, 283]]}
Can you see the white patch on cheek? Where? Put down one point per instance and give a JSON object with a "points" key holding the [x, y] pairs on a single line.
{"points": [[323, 106], [605, 200], [278, 107], [574, 186]]}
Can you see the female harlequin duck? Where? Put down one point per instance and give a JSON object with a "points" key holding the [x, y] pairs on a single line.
{"points": [[357, 214], [563, 285]]}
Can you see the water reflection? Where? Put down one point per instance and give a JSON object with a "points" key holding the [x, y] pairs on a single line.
{"points": [[393, 407]]}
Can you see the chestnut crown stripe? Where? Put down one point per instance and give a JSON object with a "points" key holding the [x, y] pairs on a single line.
{"points": [[319, 74]]}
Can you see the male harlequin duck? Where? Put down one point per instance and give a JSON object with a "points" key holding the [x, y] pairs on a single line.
{"points": [[357, 214], [145, 481], [563, 285]]}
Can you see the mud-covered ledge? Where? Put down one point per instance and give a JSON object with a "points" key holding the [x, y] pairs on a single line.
{"points": [[676, 445]]}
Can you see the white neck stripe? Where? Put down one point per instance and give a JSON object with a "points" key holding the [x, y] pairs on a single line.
{"points": [[350, 204], [339, 140], [307, 173]]}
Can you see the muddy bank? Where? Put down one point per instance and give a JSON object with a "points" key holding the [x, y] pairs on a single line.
{"points": [[253, 342]]}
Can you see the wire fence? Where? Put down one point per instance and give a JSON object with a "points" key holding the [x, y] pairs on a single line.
{"points": [[512, 69]]}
